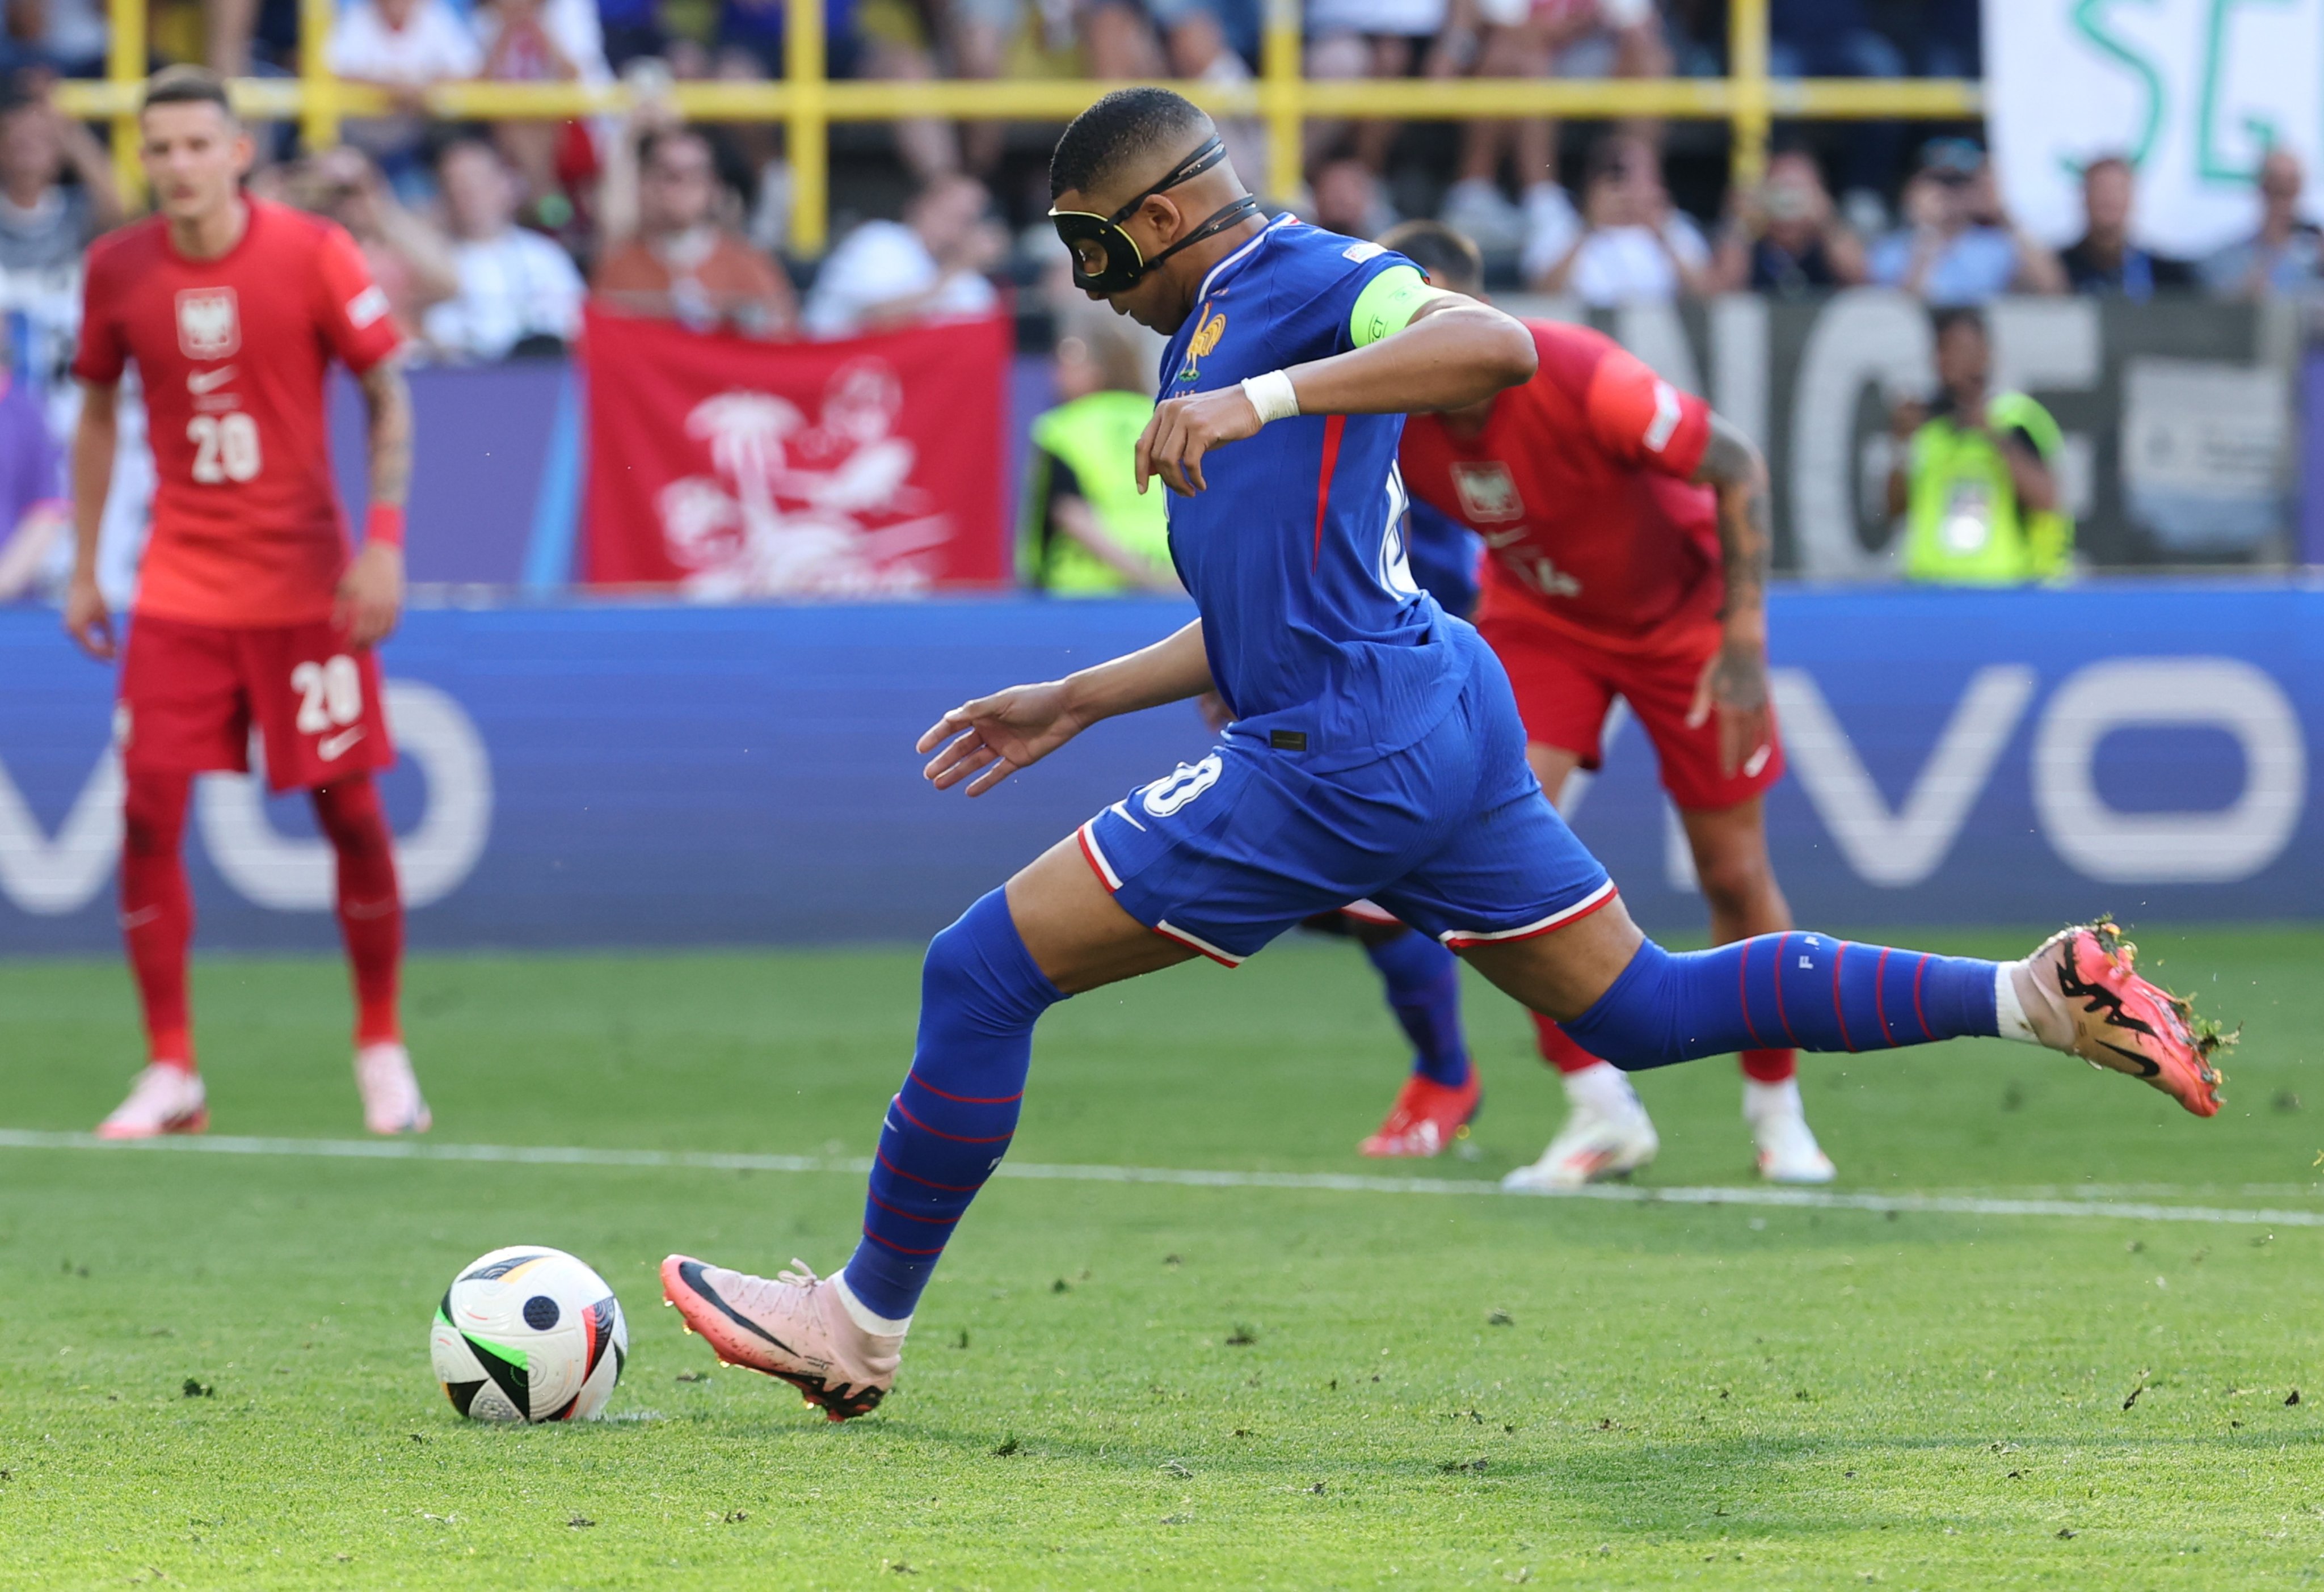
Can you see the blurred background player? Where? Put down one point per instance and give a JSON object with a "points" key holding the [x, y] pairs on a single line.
{"points": [[1627, 531], [249, 610]]}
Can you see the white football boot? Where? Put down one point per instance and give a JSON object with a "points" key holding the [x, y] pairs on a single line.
{"points": [[1607, 1134], [1788, 1151], [793, 1325], [391, 1094], [162, 1100]]}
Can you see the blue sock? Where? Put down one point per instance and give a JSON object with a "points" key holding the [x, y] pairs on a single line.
{"points": [[950, 1124], [1809, 991], [1423, 990]]}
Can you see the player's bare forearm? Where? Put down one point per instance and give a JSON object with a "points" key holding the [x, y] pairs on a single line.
{"points": [[1455, 353], [387, 401], [983, 742], [1733, 468], [96, 439]]}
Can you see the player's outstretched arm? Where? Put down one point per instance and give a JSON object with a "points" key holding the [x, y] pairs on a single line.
{"points": [[1734, 684], [96, 439], [1447, 353], [985, 740]]}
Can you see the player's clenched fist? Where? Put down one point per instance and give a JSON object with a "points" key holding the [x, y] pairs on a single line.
{"points": [[985, 740], [1184, 428]]}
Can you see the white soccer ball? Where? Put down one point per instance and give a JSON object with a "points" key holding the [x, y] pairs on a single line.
{"points": [[529, 1333]]}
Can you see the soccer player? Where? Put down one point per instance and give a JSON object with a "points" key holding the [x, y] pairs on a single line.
{"points": [[249, 610], [1627, 536], [1375, 753]]}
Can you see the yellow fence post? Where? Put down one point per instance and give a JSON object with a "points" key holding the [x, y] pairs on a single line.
{"points": [[1280, 91], [125, 65], [318, 99], [808, 127], [1746, 68]]}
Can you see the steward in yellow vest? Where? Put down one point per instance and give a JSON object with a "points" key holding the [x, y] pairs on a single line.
{"points": [[1977, 482], [1087, 532]]}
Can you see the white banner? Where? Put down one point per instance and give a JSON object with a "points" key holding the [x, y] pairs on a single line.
{"points": [[2192, 92]]}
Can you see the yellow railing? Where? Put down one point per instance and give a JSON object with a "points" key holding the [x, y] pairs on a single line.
{"points": [[807, 104]]}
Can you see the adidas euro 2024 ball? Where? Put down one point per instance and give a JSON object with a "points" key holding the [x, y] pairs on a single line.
{"points": [[529, 1334]]}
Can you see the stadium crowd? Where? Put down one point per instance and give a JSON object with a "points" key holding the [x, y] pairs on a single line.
{"points": [[488, 237]]}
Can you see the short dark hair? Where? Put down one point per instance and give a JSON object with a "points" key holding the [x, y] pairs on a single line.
{"points": [[1447, 256], [1959, 315], [1119, 128], [186, 85]]}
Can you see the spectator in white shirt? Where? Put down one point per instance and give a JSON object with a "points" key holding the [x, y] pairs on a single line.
{"points": [[405, 47], [519, 292], [1631, 245], [930, 264]]}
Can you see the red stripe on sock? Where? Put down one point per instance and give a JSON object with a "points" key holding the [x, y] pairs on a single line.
{"points": [[899, 1248], [933, 1221], [1838, 957], [998, 1139], [1781, 945], [913, 1076], [1917, 1012], [1332, 426], [1879, 1006], [1743, 993], [926, 1182]]}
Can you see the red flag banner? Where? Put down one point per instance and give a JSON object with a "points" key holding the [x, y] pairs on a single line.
{"points": [[730, 467]]}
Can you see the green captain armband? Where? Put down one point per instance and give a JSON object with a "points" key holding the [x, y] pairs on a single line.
{"points": [[1387, 304]]}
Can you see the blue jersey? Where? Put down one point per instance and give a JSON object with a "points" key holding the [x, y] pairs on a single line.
{"points": [[1444, 555], [1318, 637]]}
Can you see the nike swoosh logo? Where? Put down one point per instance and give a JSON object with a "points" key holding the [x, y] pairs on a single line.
{"points": [[200, 382], [331, 746]]}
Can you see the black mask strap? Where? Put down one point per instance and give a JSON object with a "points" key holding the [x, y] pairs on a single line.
{"points": [[1207, 156], [1234, 214]]}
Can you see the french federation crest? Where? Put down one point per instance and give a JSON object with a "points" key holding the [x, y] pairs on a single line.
{"points": [[209, 323], [1488, 493]]}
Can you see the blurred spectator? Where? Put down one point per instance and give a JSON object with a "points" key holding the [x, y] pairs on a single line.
{"points": [[1089, 532], [518, 293], [1836, 39], [1633, 246], [632, 31], [930, 263], [410, 261], [34, 517], [890, 40], [543, 41], [45, 223], [1786, 239], [1535, 39], [1977, 476], [65, 36], [1956, 245], [1348, 200], [989, 39], [1179, 39], [2104, 259], [1348, 39], [404, 47], [2283, 256], [671, 248]]}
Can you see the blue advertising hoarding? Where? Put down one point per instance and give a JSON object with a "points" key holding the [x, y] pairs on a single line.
{"points": [[613, 775]]}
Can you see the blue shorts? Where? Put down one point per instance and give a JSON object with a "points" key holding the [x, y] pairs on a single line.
{"points": [[1452, 835]]}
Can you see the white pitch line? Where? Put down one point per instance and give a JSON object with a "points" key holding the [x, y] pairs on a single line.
{"points": [[405, 1149]]}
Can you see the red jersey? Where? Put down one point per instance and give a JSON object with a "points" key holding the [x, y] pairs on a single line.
{"points": [[1579, 485], [232, 352]]}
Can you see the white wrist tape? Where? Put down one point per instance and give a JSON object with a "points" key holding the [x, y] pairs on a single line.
{"points": [[1271, 396]]}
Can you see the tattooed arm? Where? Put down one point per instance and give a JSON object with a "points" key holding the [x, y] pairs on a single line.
{"points": [[1734, 683], [371, 593]]}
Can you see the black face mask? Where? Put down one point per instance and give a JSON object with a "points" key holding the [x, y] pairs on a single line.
{"points": [[1108, 259]]}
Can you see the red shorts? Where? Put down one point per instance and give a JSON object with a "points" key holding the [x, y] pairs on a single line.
{"points": [[190, 693], [1565, 687]]}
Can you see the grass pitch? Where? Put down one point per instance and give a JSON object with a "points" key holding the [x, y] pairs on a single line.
{"points": [[214, 1374]]}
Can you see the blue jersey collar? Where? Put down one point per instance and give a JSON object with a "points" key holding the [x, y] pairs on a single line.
{"points": [[1210, 281]]}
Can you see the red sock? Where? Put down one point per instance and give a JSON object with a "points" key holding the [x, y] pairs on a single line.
{"points": [[370, 908], [1771, 1066], [157, 911], [1558, 1049]]}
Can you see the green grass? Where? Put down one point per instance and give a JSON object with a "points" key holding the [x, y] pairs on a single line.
{"points": [[1148, 1385]]}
